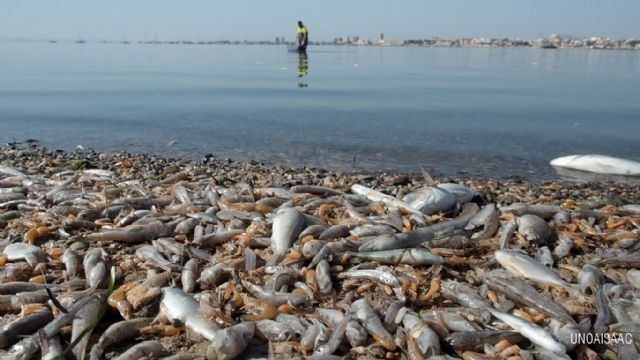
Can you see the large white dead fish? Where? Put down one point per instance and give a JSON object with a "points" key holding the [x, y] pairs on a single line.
{"points": [[524, 266], [388, 200], [430, 200], [287, 225], [598, 164]]}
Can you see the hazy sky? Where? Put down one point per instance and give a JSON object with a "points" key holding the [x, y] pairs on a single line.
{"points": [[326, 19]]}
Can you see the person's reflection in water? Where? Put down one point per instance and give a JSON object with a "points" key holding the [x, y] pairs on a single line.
{"points": [[303, 68]]}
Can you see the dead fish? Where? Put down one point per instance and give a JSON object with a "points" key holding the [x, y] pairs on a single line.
{"points": [[633, 278], [213, 239], [506, 232], [399, 241], [427, 340], [117, 333], [462, 193], [390, 201], [231, 342], [414, 257], [85, 317], [190, 273], [524, 266], [71, 260], [152, 255], [335, 339], [565, 244], [521, 209], [476, 340], [308, 339], [381, 275], [149, 349], [274, 331], [132, 233], [526, 294], [335, 232], [589, 277], [10, 332], [181, 308], [487, 219], [287, 225], [28, 347], [323, 278], [95, 268], [430, 200], [533, 227], [315, 190], [19, 251], [274, 298], [365, 315], [531, 331]]}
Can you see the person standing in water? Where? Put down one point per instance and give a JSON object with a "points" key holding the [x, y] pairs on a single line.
{"points": [[303, 37]]}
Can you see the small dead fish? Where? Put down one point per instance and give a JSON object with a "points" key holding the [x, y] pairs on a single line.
{"points": [[590, 276], [476, 340], [152, 255], [367, 318], [287, 225], [399, 241], [274, 298], [231, 341], [426, 339], [149, 349], [531, 331], [565, 244], [524, 266], [521, 209], [462, 294], [533, 227], [415, 257], [382, 276], [390, 201], [190, 273], [182, 308], [10, 332], [274, 331], [117, 333], [95, 268], [71, 261], [19, 251], [323, 278], [506, 232], [83, 320], [335, 339], [526, 294], [315, 190], [132, 233], [633, 278]]}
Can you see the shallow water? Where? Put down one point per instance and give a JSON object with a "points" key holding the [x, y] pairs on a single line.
{"points": [[481, 112]]}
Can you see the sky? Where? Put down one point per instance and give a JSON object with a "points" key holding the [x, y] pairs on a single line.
{"points": [[265, 19]]}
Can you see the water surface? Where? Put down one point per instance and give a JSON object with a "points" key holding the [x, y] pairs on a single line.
{"points": [[482, 112]]}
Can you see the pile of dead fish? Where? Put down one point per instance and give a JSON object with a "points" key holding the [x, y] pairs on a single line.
{"points": [[224, 260]]}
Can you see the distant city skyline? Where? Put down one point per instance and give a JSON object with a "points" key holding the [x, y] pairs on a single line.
{"points": [[253, 20]]}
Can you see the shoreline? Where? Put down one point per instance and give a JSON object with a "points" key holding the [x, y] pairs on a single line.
{"points": [[241, 170]]}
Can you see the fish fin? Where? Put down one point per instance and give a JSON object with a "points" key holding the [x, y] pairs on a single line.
{"points": [[427, 178]]}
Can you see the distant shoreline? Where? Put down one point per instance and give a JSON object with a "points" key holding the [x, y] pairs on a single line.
{"points": [[594, 43]]}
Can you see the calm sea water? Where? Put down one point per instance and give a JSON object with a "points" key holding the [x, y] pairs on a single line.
{"points": [[480, 112]]}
